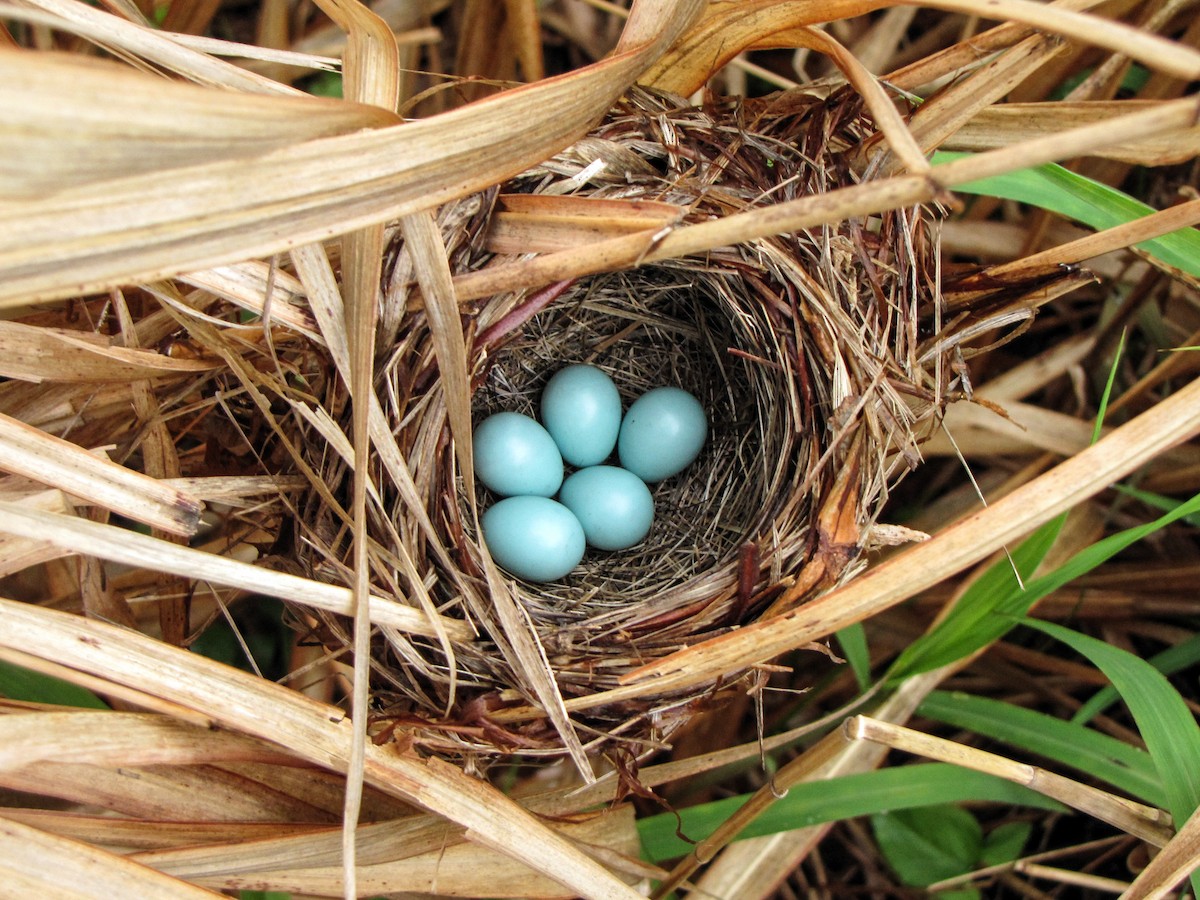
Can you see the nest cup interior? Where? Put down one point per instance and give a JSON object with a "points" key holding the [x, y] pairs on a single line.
{"points": [[802, 348], [647, 328]]}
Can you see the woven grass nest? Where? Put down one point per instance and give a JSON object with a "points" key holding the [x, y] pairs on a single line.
{"points": [[804, 349]]}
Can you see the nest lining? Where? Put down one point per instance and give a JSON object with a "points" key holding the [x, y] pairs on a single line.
{"points": [[802, 348]]}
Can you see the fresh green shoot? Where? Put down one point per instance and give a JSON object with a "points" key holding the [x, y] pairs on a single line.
{"points": [[19, 683], [1174, 659], [847, 797], [1053, 188], [982, 614], [978, 618], [1157, 501], [1163, 719], [853, 641], [990, 608]]}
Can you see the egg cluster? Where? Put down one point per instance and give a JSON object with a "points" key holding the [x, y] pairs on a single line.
{"points": [[605, 506]]}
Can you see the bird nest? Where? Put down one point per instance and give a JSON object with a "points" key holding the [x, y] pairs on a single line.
{"points": [[803, 349]]}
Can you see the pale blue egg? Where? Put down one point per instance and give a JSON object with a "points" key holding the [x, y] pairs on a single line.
{"points": [[613, 505], [515, 456], [662, 433], [534, 538], [582, 411]]}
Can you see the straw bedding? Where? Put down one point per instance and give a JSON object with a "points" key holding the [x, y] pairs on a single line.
{"points": [[802, 349]]}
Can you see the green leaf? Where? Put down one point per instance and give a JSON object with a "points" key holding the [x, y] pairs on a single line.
{"points": [[1059, 190], [19, 683], [1166, 724], [1005, 843], [848, 797], [1128, 768], [991, 606], [928, 844], [1157, 501], [1169, 661], [979, 617], [853, 641]]}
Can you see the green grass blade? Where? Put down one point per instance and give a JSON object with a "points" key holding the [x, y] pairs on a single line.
{"points": [[1061, 191], [978, 618], [19, 683], [991, 607], [1164, 721], [1157, 501], [1169, 661], [1129, 769], [848, 797], [853, 642]]}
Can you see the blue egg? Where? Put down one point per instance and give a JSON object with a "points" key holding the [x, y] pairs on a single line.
{"points": [[613, 505], [662, 433], [534, 538], [515, 456], [582, 411]]}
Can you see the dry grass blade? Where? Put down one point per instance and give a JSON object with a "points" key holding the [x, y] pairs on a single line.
{"points": [[944, 115], [441, 306], [1178, 859], [112, 833], [458, 869], [371, 76], [1011, 123], [44, 354], [312, 730], [36, 864], [124, 546], [57, 463], [807, 212], [140, 40], [147, 125], [971, 540], [1146, 47], [132, 739], [1149, 824], [144, 227], [1184, 215], [18, 553]]}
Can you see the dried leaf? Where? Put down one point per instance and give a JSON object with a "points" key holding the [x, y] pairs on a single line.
{"points": [[36, 864]]}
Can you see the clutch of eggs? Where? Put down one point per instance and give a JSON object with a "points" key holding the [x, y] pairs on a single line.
{"points": [[605, 506]]}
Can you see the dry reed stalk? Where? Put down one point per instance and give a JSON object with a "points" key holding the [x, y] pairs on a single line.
{"points": [[1149, 824]]}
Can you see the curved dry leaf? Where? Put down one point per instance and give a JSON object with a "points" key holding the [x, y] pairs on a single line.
{"points": [[1011, 123], [148, 226], [72, 120], [726, 29], [40, 354], [36, 864], [312, 730]]}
